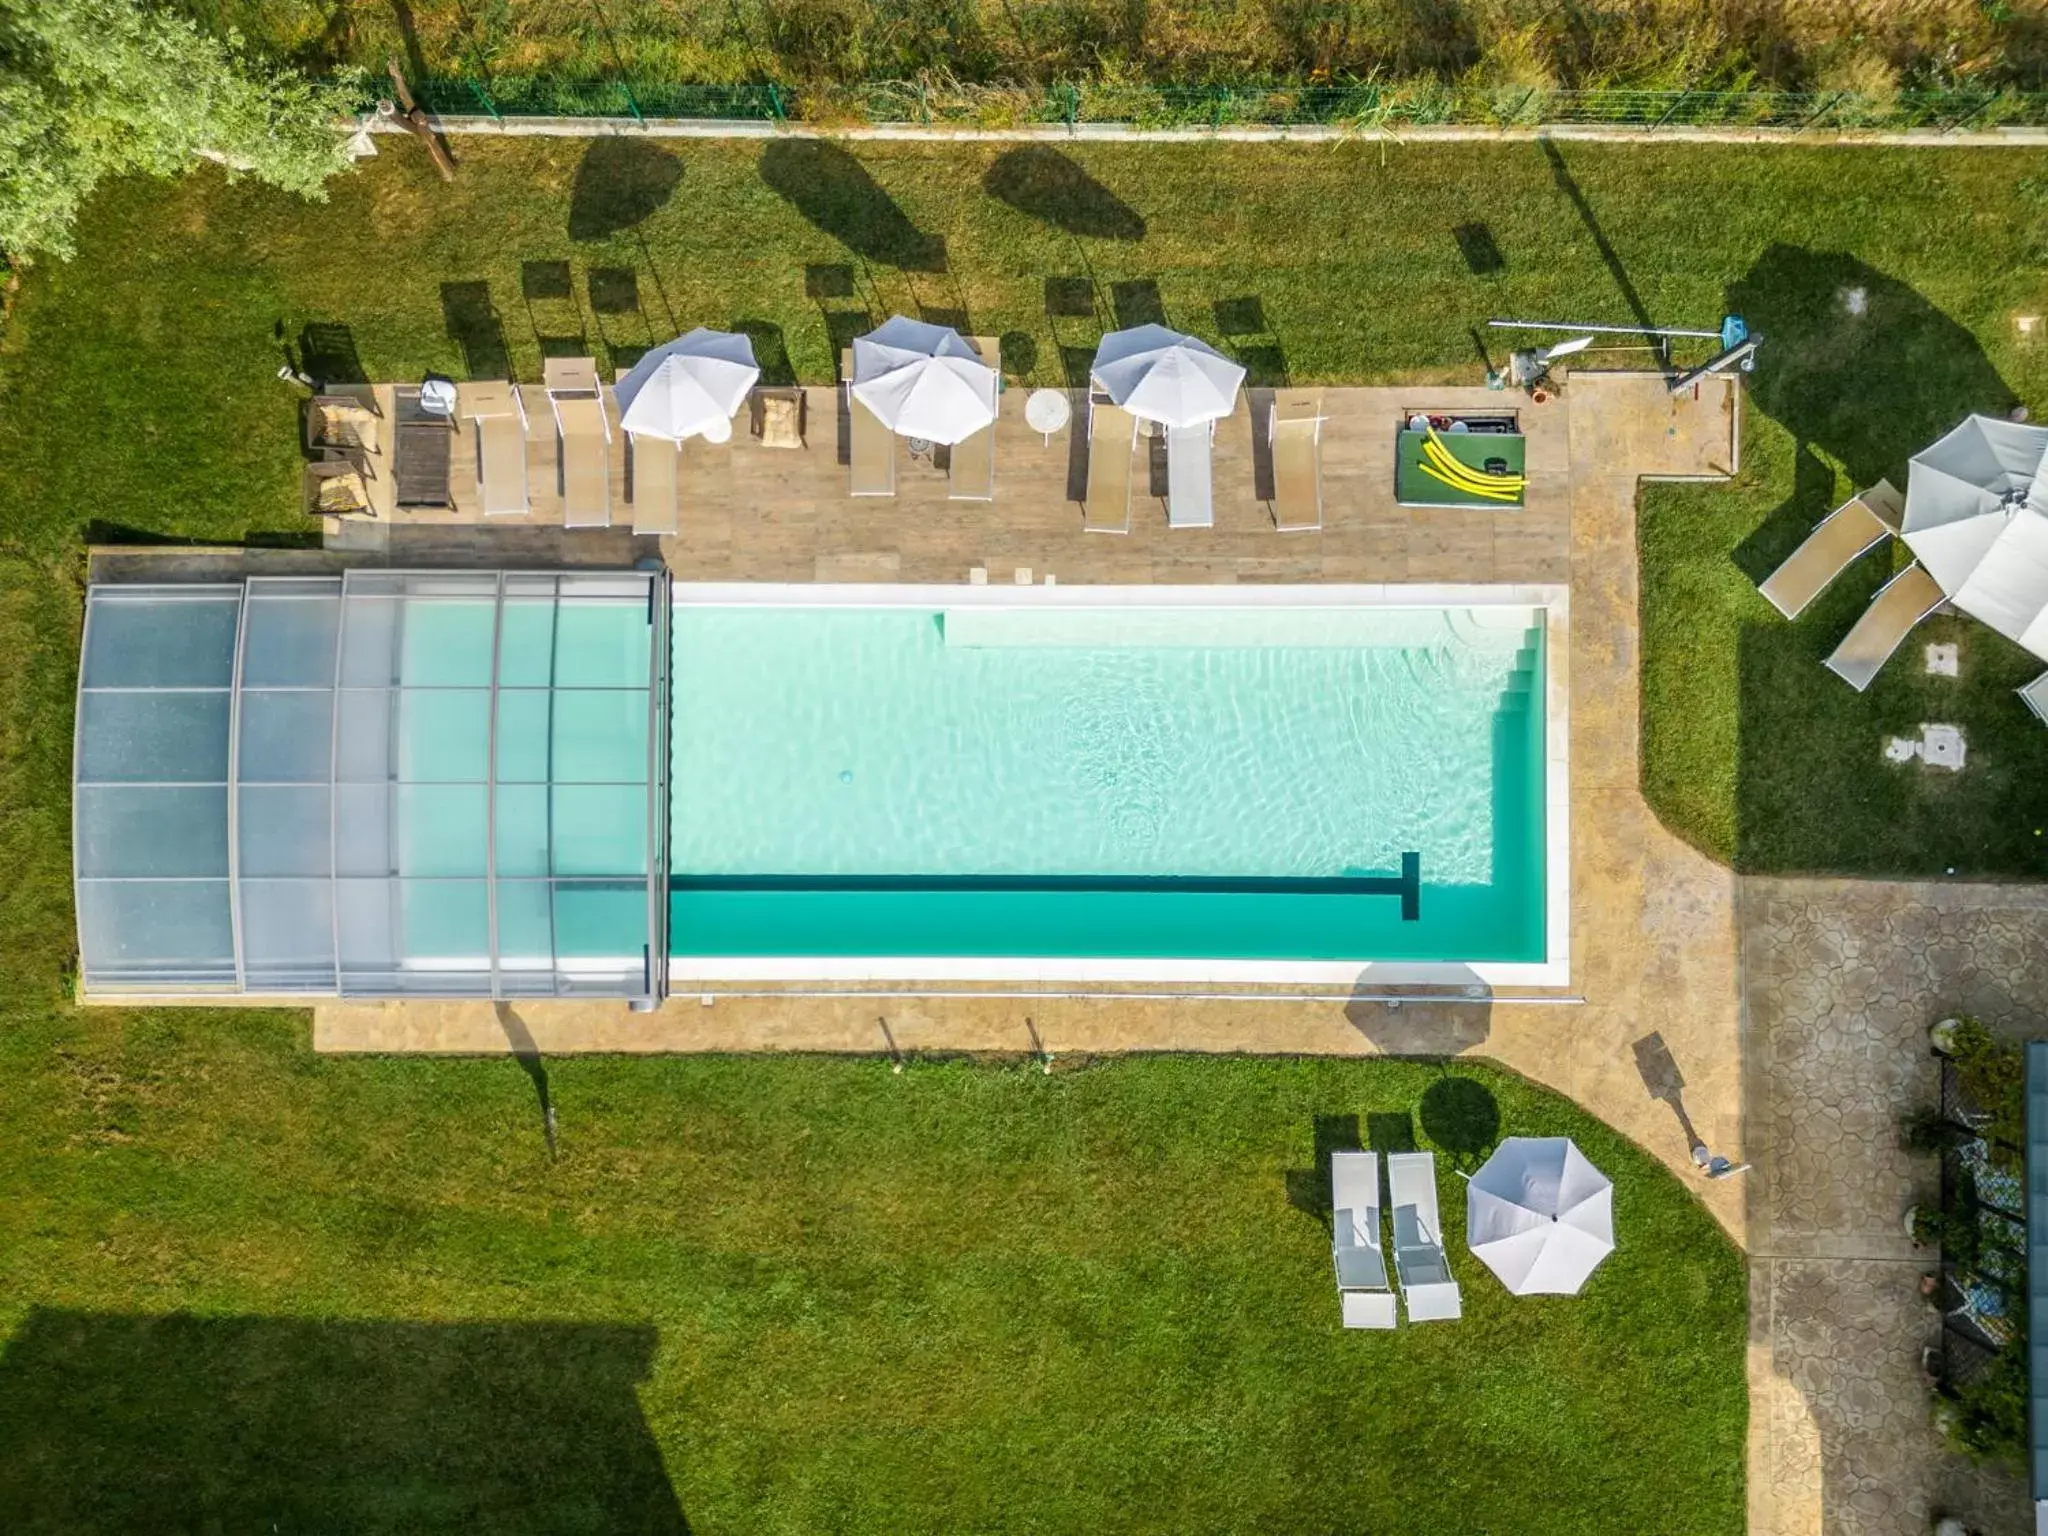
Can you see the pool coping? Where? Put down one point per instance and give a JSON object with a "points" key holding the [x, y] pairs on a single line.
{"points": [[687, 972]]}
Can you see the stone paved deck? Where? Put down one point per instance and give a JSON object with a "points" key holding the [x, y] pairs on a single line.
{"points": [[1653, 939], [1841, 980]]}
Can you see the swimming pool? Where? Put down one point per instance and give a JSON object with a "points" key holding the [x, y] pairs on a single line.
{"points": [[1096, 782]]}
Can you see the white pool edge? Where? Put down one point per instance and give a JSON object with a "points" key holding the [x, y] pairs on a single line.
{"points": [[1554, 970]]}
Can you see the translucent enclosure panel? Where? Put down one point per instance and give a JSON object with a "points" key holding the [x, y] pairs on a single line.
{"points": [[165, 738], [130, 830], [572, 736], [572, 829], [170, 931], [145, 638], [573, 924], [600, 921], [282, 830], [443, 735], [524, 830], [287, 935], [418, 736], [601, 645], [443, 829], [289, 634], [445, 922], [600, 829], [285, 737], [446, 643], [365, 842]]}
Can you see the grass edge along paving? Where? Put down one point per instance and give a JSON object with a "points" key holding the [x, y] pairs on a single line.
{"points": [[804, 1293]]}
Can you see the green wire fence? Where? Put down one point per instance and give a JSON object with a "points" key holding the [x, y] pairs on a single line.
{"points": [[1361, 107]]}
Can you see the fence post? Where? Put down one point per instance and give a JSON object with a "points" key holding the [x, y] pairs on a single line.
{"points": [[775, 107], [1216, 107], [476, 87], [1675, 105]]}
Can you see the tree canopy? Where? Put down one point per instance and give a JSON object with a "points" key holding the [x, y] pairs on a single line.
{"points": [[97, 88]]}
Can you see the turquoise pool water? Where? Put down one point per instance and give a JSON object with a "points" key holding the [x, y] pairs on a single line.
{"points": [[1199, 782]]}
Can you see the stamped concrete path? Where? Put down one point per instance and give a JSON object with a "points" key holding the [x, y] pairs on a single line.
{"points": [[1654, 1041]]}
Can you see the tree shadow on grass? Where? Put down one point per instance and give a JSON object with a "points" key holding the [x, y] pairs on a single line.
{"points": [[1040, 181], [834, 191], [620, 183], [1863, 371], [1858, 364], [116, 1423]]}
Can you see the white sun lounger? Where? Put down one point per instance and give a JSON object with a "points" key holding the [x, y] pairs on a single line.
{"points": [[1427, 1288], [1853, 529], [1900, 604], [1189, 502], [1355, 1238]]}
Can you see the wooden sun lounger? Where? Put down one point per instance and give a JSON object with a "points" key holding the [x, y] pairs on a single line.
{"points": [[1190, 501], [583, 436], [653, 472], [1112, 446], [498, 422], [1900, 604], [1419, 1261], [1295, 430], [334, 487], [1854, 528], [345, 422], [971, 469], [871, 447], [1362, 1290]]}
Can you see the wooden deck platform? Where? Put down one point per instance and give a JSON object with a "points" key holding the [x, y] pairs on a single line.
{"points": [[754, 513]]}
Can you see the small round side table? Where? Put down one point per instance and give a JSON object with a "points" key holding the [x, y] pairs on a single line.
{"points": [[1047, 411]]}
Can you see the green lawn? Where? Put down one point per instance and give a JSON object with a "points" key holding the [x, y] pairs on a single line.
{"points": [[243, 1285], [964, 1298]]}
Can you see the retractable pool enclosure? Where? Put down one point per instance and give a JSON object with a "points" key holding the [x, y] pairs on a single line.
{"points": [[378, 784]]}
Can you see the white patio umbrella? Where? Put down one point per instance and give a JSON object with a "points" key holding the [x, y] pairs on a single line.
{"points": [[689, 387], [1167, 377], [923, 380], [1977, 518], [1540, 1216]]}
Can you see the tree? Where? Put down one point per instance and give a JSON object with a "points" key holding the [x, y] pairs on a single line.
{"points": [[97, 88]]}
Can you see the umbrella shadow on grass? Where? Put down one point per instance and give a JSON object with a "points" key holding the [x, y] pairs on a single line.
{"points": [[834, 191], [1462, 1117], [1040, 181], [1857, 364], [619, 184]]}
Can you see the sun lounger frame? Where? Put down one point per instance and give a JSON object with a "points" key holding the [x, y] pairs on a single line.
{"points": [[1364, 1297], [1420, 1263], [577, 399], [1190, 476], [497, 416], [1837, 541], [1294, 433], [1898, 607], [1112, 450]]}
